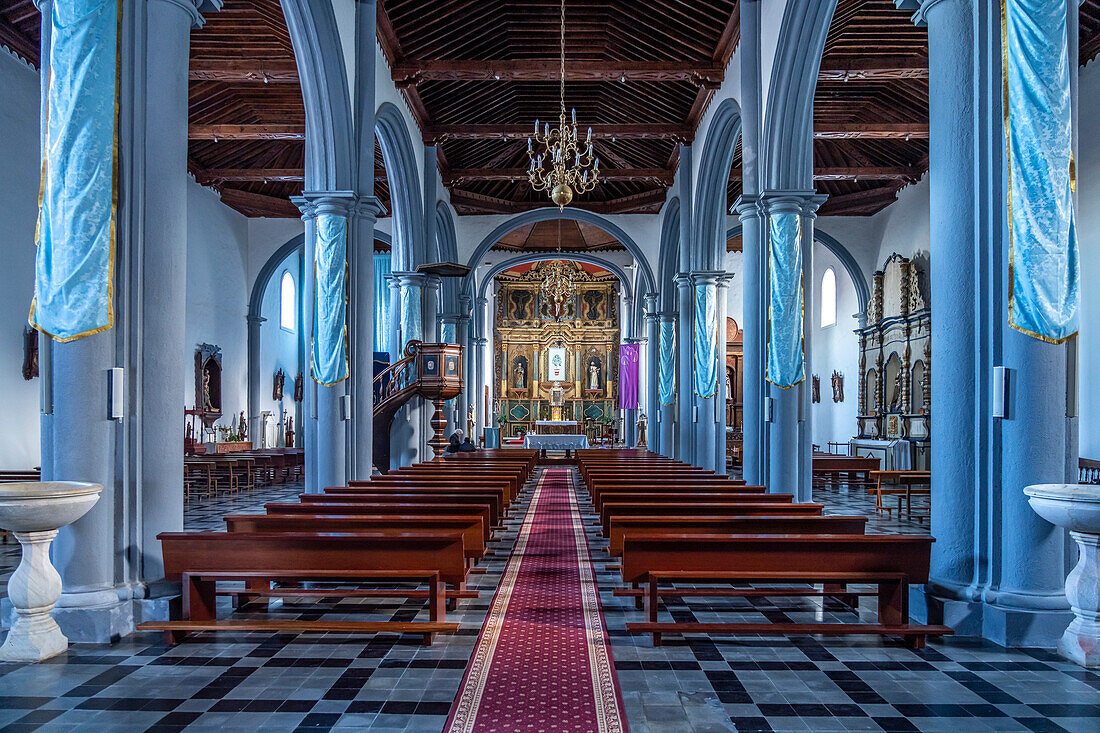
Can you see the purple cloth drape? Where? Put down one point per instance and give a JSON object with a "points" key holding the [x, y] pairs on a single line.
{"points": [[628, 377]]}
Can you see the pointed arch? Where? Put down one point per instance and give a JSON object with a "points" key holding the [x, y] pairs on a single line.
{"points": [[709, 225], [409, 247], [669, 257]]}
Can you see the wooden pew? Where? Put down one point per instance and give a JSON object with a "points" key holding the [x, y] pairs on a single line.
{"points": [[627, 526], [599, 493], [509, 489], [363, 508], [201, 559], [491, 500], [829, 467], [471, 527], [891, 562], [477, 476], [709, 509]]}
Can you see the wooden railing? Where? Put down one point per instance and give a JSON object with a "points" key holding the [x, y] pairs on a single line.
{"points": [[394, 385]]}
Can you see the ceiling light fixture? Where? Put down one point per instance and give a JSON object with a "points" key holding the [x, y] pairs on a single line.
{"points": [[560, 147]]}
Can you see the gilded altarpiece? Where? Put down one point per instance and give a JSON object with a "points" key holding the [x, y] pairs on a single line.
{"points": [[895, 360], [555, 360]]}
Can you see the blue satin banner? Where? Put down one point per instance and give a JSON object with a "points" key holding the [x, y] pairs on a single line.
{"points": [[449, 335], [1043, 255], [666, 384], [330, 355], [786, 367], [410, 313], [74, 264], [382, 307], [706, 340]]}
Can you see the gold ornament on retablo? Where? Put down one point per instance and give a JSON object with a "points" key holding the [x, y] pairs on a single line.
{"points": [[562, 195]]}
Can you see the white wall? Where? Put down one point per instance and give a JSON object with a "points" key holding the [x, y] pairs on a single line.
{"points": [[218, 289], [1088, 230], [19, 172], [834, 348], [279, 347]]}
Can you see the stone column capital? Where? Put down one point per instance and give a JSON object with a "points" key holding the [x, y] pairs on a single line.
{"points": [[805, 203], [718, 278], [481, 302], [668, 316], [479, 340], [747, 207], [312, 203], [255, 320], [682, 280], [195, 8], [366, 208], [649, 302]]}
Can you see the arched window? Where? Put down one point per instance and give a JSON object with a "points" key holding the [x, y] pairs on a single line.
{"points": [[288, 306], [828, 298]]}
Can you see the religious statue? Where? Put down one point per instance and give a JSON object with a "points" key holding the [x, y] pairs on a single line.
{"points": [[30, 353], [895, 402], [519, 373], [594, 374], [299, 388], [290, 431], [838, 387], [277, 385], [243, 426], [470, 422], [815, 389], [207, 403], [643, 423]]}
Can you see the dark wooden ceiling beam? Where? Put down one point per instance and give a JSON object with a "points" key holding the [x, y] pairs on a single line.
{"points": [[643, 131], [661, 175], [411, 73], [855, 173], [872, 68], [282, 175], [258, 204], [871, 130], [19, 44], [274, 71], [644, 202], [860, 202], [247, 132]]}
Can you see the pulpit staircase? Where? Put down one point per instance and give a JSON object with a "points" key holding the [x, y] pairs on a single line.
{"points": [[420, 372]]}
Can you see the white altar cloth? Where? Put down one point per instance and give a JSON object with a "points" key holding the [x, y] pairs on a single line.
{"points": [[555, 442], [556, 423], [896, 452]]}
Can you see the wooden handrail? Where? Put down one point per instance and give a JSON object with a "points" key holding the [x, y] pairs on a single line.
{"points": [[397, 379]]}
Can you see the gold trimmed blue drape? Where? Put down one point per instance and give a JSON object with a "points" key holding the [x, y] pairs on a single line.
{"points": [[410, 313], [786, 366], [706, 340], [1043, 254], [74, 263], [666, 384], [330, 356]]}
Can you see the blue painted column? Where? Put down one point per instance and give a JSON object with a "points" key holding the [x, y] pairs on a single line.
{"points": [[483, 417], [685, 375], [1025, 600], [653, 348], [362, 316], [330, 426], [710, 410], [667, 434], [755, 314], [953, 594], [464, 333], [723, 286], [685, 429], [789, 431]]}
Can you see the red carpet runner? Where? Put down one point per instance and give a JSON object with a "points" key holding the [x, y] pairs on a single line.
{"points": [[543, 662]]}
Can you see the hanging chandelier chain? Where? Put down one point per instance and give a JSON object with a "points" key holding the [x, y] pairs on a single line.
{"points": [[563, 61], [572, 165]]}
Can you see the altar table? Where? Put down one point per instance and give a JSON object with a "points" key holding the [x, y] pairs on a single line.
{"points": [[557, 427], [555, 442]]}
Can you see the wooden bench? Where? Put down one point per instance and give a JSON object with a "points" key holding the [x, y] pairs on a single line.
{"points": [[490, 500], [472, 527], [612, 493], [829, 467], [201, 559], [363, 508], [890, 562], [476, 476], [468, 481], [903, 484], [626, 526], [707, 509]]}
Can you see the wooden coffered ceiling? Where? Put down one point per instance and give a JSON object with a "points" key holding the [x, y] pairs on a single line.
{"points": [[476, 73], [558, 235]]}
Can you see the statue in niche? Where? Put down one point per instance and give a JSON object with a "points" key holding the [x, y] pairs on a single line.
{"points": [[815, 389], [594, 373], [838, 387], [299, 388], [520, 300], [243, 426], [290, 431], [207, 400], [519, 373], [277, 385], [895, 401]]}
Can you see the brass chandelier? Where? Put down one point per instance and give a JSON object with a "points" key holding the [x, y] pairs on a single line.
{"points": [[557, 287], [573, 168]]}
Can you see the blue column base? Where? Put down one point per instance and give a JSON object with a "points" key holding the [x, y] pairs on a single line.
{"points": [[928, 607], [1028, 621]]}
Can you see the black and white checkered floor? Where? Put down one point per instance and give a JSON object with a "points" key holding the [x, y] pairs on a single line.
{"points": [[311, 682]]}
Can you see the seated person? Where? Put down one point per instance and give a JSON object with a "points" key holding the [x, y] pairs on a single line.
{"points": [[455, 442], [467, 445]]}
